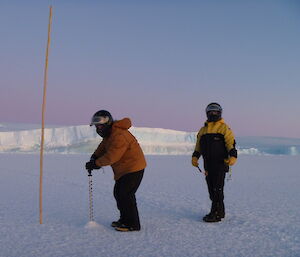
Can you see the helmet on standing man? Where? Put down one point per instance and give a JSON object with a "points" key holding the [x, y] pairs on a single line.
{"points": [[213, 112]]}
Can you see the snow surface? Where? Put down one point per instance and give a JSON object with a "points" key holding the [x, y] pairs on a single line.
{"points": [[262, 209], [155, 141]]}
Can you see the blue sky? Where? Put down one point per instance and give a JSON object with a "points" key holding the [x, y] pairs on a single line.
{"points": [[157, 62]]}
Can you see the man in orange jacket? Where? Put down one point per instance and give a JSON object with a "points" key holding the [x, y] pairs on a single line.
{"points": [[120, 149]]}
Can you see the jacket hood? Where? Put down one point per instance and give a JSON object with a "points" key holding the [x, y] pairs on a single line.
{"points": [[122, 124]]}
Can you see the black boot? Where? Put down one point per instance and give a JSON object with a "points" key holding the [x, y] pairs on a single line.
{"points": [[127, 228], [215, 213], [116, 223], [212, 217], [213, 210]]}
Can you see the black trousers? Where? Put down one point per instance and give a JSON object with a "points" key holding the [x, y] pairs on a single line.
{"points": [[124, 193], [215, 184]]}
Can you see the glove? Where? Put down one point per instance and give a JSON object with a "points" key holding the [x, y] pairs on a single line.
{"points": [[93, 157], [231, 161], [195, 162], [91, 165]]}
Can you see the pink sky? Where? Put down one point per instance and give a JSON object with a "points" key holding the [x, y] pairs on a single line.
{"points": [[159, 63]]}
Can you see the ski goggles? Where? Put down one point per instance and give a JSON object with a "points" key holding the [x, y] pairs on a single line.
{"points": [[214, 108], [99, 120]]}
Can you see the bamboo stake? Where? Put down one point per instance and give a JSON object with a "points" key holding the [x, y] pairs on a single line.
{"points": [[43, 117]]}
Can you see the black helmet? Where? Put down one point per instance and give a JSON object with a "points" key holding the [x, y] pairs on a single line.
{"points": [[102, 117], [103, 122], [213, 112]]}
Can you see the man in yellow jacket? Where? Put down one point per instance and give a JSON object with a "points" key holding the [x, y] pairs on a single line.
{"points": [[120, 149], [216, 144]]}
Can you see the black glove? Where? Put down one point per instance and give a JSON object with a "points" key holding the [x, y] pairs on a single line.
{"points": [[93, 157], [91, 165]]}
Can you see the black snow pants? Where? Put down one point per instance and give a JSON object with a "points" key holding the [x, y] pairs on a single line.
{"points": [[215, 183], [124, 193]]}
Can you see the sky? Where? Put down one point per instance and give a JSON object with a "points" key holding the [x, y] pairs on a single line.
{"points": [[158, 62]]}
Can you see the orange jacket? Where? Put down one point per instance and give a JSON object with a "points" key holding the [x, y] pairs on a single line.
{"points": [[120, 150]]}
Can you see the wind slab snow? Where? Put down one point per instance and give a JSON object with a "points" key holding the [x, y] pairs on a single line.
{"points": [[154, 141]]}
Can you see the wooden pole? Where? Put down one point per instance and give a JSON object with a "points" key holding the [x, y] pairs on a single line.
{"points": [[43, 117]]}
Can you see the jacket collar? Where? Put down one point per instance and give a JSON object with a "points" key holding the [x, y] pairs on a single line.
{"points": [[214, 122]]}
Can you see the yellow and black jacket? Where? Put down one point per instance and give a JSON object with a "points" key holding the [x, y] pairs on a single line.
{"points": [[215, 142]]}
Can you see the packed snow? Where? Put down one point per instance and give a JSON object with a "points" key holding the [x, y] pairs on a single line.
{"points": [[262, 209], [262, 199], [155, 141]]}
